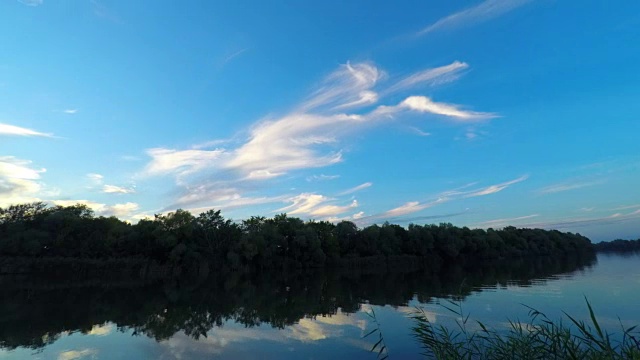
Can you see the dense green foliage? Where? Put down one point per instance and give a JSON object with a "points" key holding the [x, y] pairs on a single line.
{"points": [[618, 246], [179, 237], [540, 338]]}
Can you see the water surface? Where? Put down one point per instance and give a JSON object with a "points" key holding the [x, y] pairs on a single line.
{"points": [[296, 315]]}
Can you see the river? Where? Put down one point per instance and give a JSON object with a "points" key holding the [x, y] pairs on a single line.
{"points": [[298, 315]]}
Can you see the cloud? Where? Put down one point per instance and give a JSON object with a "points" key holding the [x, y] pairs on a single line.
{"points": [[486, 10], [332, 210], [112, 189], [322, 177], [95, 178], [356, 188], [425, 104], [505, 221], [626, 207], [459, 193], [419, 132], [70, 111], [309, 136], [124, 210], [101, 330], [77, 354], [556, 188], [12, 130], [101, 11], [495, 188], [349, 86], [219, 195], [585, 222], [315, 205], [303, 203], [411, 207], [31, 2], [432, 76], [180, 162], [232, 56], [18, 181]]}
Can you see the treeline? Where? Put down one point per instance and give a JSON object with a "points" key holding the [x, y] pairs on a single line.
{"points": [[37, 230], [618, 246]]}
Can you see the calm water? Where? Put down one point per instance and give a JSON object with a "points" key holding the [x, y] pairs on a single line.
{"points": [[313, 315]]}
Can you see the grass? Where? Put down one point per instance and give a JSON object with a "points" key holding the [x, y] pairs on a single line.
{"points": [[540, 338]]}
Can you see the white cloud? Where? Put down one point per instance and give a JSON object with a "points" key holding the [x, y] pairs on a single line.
{"points": [[31, 2], [411, 207], [417, 131], [70, 111], [180, 162], [303, 203], [96, 179], [505, 221], [441, 198], [112, 189], [332, 210], [315, 205], [556, 188], [495, 188], [322, 177], [486, 10], [119, 210], [626, 207], [18, 181], [77, 354], [310, 136], [348, 86], [12, 130], [425, 104], [356, 188], [101, 330], [433, 76]]}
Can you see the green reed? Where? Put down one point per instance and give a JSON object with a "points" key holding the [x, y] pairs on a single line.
{"points": [[539, 338]]}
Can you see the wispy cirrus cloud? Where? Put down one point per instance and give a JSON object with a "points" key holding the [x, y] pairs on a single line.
{"points": [[626, 207], [113, 189], [31, 2], [356, 188], [495, 188], [12, 130], [460, 193], [179, 162], [310, 136], [411, 207], [322, 177], [19, 181], [124, 210], [96, 179], [431, 76], [580, 222], [426, 105], [567, 186], [70, 111], [77, 354], [315, 205], [484, 11], [419, 132], [504, 221]]}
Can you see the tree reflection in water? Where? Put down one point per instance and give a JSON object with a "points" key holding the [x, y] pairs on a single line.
{"points": [[36, 311]]}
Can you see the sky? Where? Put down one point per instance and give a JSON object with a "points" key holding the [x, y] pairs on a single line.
{"points": [[478, 113]]}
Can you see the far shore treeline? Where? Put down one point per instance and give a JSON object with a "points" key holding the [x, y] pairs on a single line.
{"points": [[38, 231]]}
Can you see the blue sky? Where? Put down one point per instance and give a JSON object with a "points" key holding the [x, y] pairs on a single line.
{"points": [[480, 113]]}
